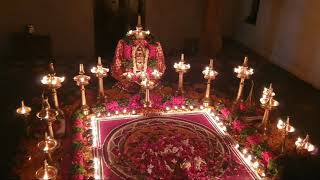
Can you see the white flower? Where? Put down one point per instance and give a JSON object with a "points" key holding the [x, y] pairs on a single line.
{"points": [[198, 162], [174, 161], [149, 170], [185, 142], [142, 155], [185, 165], [174, 150], [192, 149], [168, 167]]}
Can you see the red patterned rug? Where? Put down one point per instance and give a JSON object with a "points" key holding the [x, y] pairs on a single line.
{"points": [[168, 147]]}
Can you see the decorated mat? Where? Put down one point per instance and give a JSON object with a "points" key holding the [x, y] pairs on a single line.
{"points": [[167, 147]]}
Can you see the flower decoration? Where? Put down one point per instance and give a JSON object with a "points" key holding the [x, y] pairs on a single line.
{"points": [[177, 101], [266, 156], [238, 126], [225, 113], [254, 139], [112, 106]]}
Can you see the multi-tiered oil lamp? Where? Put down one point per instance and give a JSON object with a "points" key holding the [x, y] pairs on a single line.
{"points": [[82, 80], [53, 82], [48, 145], [285, 128], [181, 68], [47, 114], [209, 74], [23, 110], [100, 73], [243, 73], [304, 144], [139, 33], [46, 172], [268, 103], [147, 85]]}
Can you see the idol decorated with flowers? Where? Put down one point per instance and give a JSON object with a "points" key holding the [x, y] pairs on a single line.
{"points": [[139, 55]]}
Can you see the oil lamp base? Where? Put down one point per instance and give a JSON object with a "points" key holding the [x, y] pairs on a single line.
{"points": [[206, 102], [179, 92], [51, 173], [85, 109], [147, 104], [101, 98]]}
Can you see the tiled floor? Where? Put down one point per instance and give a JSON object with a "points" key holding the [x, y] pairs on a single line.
{"points": [[297, 99]]}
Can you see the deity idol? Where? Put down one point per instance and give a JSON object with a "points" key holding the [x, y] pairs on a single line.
{"points": [[136, 57]]}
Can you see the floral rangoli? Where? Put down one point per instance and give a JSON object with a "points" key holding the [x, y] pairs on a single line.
{"points": [[165, 148]]}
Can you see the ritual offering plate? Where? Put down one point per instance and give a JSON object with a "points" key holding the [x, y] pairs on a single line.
{"points": [[165, 148]]}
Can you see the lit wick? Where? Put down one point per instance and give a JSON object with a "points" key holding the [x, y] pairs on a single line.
{"points": [[100, 73], [181, 68]]}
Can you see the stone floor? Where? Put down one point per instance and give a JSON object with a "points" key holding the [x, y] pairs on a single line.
{"points": [[298, 99]]}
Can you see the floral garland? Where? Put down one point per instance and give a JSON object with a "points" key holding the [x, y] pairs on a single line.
{"points": [[135, 102], [82, 163], [248, 136]]}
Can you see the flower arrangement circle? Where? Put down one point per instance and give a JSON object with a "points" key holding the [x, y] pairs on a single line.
{"points": [[165, 148]]}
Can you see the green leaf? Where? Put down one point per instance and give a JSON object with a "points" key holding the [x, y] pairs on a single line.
{"points": [[127, 64], [78, 114], [76, 145], [246, 132], [273, 167], [152, 63], [123, 102], [77, 169], [77, 130]]}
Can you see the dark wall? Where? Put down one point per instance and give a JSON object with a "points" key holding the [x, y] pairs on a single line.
{"points": [[69, 24]]}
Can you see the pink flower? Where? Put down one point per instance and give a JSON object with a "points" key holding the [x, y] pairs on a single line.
{"points": [[134, 102], [152, 51], [135, 98], [149, 71], [254, 139], [156, 100], [238, 126], [225, 112], [242, 106], [77, 177], [78, 137], [127, 51], [166, 104], [134, 105], [266, 156], [78, 158], [78, 123], [112, 106], [177, 101]]}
